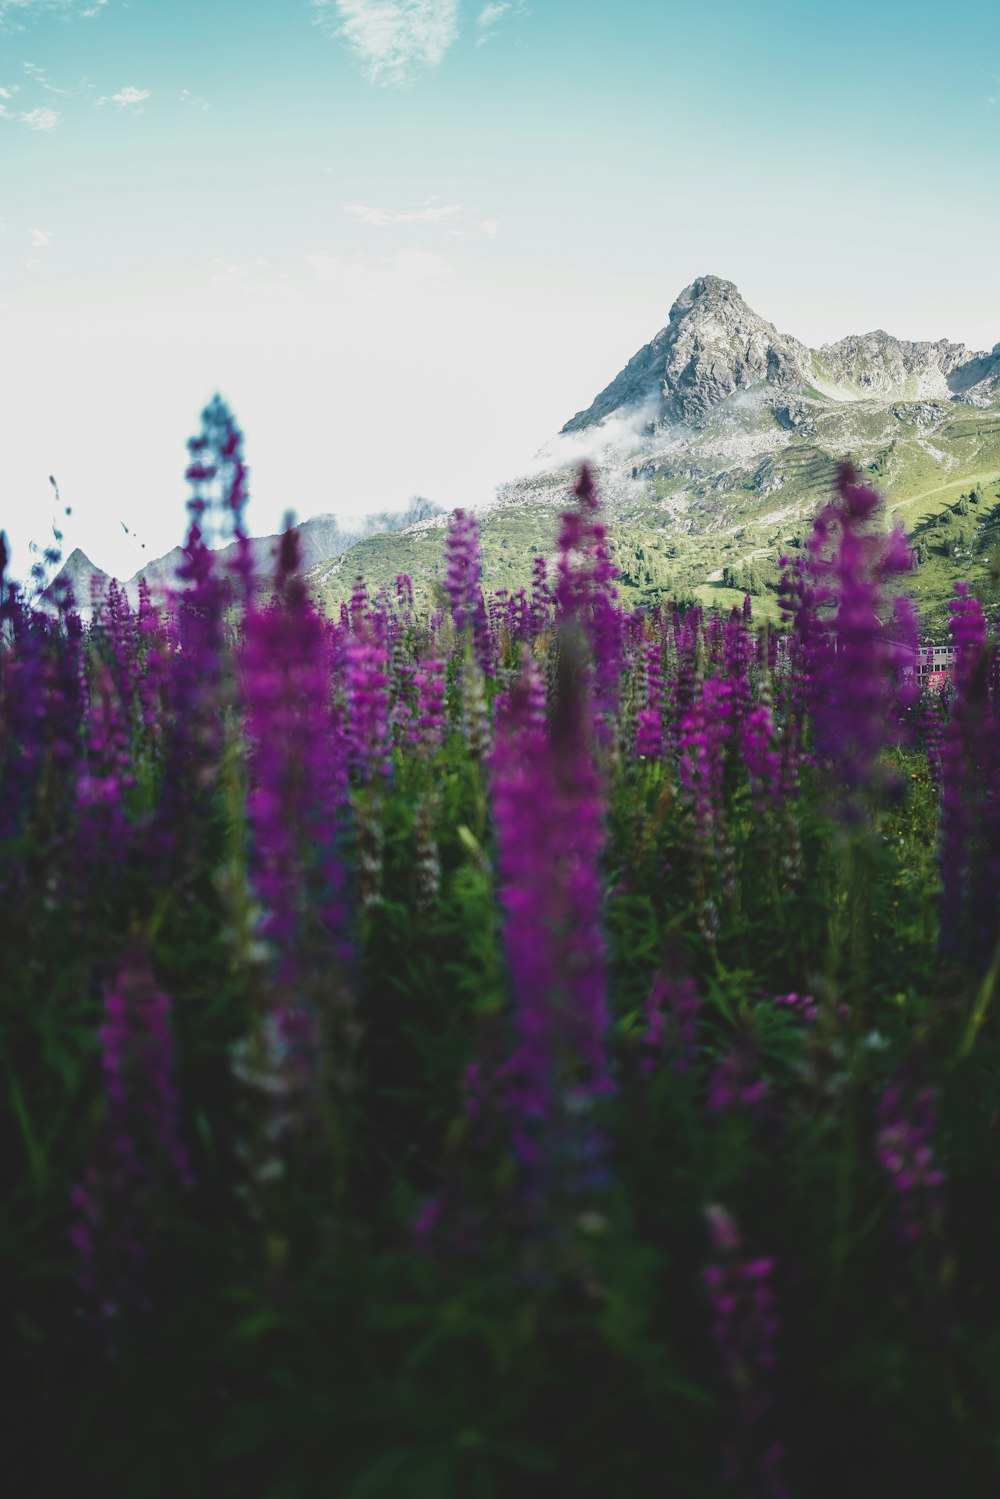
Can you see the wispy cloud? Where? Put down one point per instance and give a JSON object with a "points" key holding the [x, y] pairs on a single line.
{"points": [[393, 38], [490, 226], [40, 238], [38, 75], [128, 97], [489, 18], [41, 118], [15, 14], [490, 14], [193, 101], [428, 214]]}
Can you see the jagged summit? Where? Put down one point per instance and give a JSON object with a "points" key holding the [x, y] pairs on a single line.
{"points": [[76, 579], [712, 346], [715, 345], [878, 364]]}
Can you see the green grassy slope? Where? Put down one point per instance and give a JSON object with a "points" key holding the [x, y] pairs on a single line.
{"points": [[699, 525]]}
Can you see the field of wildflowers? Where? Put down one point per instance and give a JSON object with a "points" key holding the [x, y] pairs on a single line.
{"points": [[524, 1047]]}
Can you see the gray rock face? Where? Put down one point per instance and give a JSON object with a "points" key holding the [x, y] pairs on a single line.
{"points": [[715, 346], [77, 581], [881, 365]]}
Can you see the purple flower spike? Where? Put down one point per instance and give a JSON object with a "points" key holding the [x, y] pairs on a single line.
{"points": [[969, 751], [297, 773], [465, 596], [139, 1151], [585, 594], [673, 1010], [745, 1330], [904, 1148], [549, 816], [137, 1062], [854, 644], [649, 732], [366, 681]]}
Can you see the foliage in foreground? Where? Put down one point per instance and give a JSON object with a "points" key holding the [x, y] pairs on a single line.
{"points": [[525, 1048]]}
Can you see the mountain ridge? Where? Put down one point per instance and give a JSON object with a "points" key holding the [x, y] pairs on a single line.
{"points": [[715, 345]]}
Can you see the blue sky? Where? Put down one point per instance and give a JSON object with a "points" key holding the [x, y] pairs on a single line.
{"points": [[409, 238]]}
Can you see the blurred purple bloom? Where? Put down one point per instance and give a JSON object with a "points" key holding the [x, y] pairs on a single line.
{"points": [[904, 1148], [745, 1329], [969, 748], [854, 644], [465, 596], [673, 1010], [549, 816]]}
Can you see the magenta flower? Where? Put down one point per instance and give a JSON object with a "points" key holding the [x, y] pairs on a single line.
{"points": [[585, 594], [649, 731], [298, 776], [854, 644], [465, 596], [549, 816], [904, 1149], [969, 749], [673, 1010], [366, 683], [745, 1329], [541, 597], [139, 1152]]}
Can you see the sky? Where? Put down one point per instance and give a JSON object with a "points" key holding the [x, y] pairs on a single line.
{"points": [[408, 239]]}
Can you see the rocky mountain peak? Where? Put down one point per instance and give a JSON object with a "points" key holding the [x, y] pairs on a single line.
{"points": [[879, 364], [77, 579], [712, 346], [710, 297]]}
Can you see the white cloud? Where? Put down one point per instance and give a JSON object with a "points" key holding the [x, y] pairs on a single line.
{"points": [[126, 98], [393, 38], [40, 238], [38, 75], [426, 215], [491, 15], [193, 101], [490, 226], [41, 118], [8, 93]]}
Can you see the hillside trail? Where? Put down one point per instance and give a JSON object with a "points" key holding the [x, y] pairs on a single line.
{"points": [[971, 480]]}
